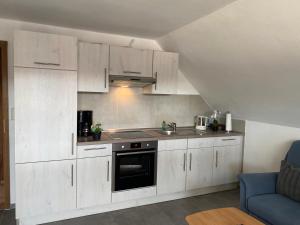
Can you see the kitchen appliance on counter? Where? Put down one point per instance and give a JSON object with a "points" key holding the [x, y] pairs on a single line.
{"points": [[84, 123], [201, 122], [134, 165]]}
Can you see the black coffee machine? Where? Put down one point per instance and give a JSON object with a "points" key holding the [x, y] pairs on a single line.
{"points": [[84, 123]]}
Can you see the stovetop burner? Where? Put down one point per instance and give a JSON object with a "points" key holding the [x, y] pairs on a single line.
{"points": [[129, 135]]}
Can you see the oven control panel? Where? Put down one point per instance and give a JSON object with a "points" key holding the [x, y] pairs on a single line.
{"points": [[134, 145]]}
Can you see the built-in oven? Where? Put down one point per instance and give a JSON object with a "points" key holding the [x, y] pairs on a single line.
{"points": [[134, 165]]}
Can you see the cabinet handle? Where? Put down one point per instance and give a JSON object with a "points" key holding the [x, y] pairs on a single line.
{"points": [[48, 64], [105, 77], [107, 171], [155, 86], [94, 149], [191, 161], [72, 175], [217, 159], [72, 145], [127, 71], [4, 126], [184, 161], [231, 139]]}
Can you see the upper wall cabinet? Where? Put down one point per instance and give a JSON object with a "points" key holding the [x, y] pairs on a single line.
{"points": [[165, 68], [130, 61], [92, 67], [42, 50]]}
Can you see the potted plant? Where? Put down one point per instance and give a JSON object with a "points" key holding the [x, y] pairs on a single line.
{"points": [[96, 130]]}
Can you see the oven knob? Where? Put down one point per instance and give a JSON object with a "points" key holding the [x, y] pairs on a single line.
{"points": [[123, 146], [148, 145]]}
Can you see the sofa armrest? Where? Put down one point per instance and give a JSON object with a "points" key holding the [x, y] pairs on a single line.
{"points": [[256, 184]]}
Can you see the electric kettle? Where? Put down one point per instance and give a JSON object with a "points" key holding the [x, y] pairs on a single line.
{"points": [[201, 122]]}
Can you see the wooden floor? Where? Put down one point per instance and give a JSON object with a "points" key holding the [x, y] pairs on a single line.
{"points": [[166, 213]]}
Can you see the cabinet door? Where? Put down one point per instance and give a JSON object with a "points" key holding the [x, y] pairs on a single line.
{"points": [[200, 166], [43, 50], [130, 62], [94, 181], [227, 164], [45, 188], [92, 68], [171, 171], [45, 114], [165, 68]]}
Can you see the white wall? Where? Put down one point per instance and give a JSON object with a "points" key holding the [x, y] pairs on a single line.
{"points": [[266, 145], [245, 58], [7, 28]]}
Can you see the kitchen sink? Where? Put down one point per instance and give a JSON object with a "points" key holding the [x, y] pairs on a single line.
{"points": [[179, 132]]}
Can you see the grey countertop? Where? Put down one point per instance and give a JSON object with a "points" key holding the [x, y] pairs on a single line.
{"points": [[156, 135]]}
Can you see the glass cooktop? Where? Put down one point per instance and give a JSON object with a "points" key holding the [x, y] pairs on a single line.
{"points": [[129, 135]]}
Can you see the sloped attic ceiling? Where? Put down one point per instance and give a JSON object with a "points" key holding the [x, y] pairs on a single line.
{"points": [[245, 58], [143, 18]]}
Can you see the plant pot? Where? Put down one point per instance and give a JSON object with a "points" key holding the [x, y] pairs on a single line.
{"points": [[97, 136]]}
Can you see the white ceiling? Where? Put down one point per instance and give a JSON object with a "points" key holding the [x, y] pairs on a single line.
{"points": [[245, 58], [143, 18]]}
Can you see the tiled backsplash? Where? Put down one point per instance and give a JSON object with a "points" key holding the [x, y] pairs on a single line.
{"points": [[130, 108]]}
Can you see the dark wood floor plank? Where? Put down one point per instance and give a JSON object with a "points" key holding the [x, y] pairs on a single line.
{"points": [[166, 213]]}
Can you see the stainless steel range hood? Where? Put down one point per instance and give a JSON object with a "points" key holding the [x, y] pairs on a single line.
{"points": [[130, 81]]}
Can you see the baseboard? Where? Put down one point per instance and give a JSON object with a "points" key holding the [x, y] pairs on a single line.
{"points": [[122, 205]]}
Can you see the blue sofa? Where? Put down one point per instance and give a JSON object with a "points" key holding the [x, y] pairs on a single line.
{"points": [[258, 195]]}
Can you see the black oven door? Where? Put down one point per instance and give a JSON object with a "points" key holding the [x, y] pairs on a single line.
{"points": [[134, 169]]}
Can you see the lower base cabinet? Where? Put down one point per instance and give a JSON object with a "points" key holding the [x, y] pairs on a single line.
{"points": [[45, 188], [171, 167], [227, 164], [93, 181], [199, 171]]}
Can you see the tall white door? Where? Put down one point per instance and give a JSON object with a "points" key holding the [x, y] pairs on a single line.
{"points": [[200, 166], [45, 114], [93, 181], [171, 171], [93, 67], [46, 187], [227, 164]]}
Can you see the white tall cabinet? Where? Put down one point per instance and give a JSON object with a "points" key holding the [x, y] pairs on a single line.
{"points": [[45, 75], [93, 67]]}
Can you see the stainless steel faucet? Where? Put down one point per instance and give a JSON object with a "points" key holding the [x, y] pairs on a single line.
{"points": [[173, 126]]}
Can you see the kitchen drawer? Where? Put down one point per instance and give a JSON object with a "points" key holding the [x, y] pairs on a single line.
{"points": [[94, 150], [225, 141], [200, 142], [175, 144]]}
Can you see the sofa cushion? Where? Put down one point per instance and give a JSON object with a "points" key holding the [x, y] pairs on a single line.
{"points": [[288, 182], [275, 209]]}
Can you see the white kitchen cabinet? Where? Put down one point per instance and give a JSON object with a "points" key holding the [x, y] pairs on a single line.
{"points": [[45, 188], [43, 50], [93, 67], [93, 181], [84, 151], [130, 61], [165, 69], [45, 114], [200, 167], [227, 164], [171, 171]]}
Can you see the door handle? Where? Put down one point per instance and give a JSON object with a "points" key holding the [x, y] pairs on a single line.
{"points": [[105, 77], [127, 71], [184, 161], [107, 171], [72, 175], [191, 161], [155, 86], [48, 64], [72, 145], [217, 159]]}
